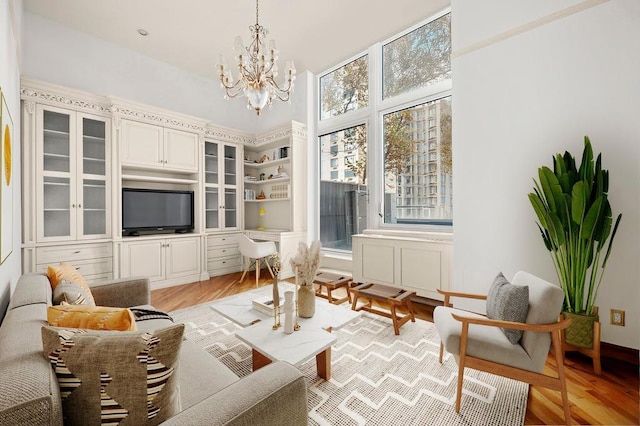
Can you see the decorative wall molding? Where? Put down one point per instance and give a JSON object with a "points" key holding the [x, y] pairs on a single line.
{"points": [[32, 92], [36, 95], [126, 113]]}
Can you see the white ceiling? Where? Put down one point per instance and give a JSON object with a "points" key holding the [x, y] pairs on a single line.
{"points": [[192, 33]]}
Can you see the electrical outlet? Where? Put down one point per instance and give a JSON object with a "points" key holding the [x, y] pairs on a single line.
{"points": [[617, 317]]}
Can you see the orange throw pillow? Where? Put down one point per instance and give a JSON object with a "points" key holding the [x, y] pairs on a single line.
{"points": [[91, 317], [69, 273]]}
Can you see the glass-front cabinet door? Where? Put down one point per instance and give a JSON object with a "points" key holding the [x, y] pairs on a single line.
{"points": [[222, 191], [73, 195]]}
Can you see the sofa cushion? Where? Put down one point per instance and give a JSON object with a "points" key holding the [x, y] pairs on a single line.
{"points": [[508, 302], [67, 272], [70, 293], [115, 376], [91, 317]]}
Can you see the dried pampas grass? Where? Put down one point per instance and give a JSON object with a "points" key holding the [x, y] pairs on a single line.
{"points": [[306, 262]]}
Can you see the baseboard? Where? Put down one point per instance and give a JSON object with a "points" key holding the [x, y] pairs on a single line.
{"points": [[619, 353]]}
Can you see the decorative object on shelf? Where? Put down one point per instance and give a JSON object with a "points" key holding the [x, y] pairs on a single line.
{"points": [[279, 191], [261, 196], [262, 176], [306, 263], [263, 159], [257, 71], [261, 213], [575, 218], [288, 312], [275, 259]]}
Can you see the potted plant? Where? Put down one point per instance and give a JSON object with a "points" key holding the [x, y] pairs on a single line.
{"points": [[575, 219]]}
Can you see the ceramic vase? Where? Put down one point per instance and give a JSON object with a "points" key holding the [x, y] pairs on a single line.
{"points": [[306, 301], [289, 312]]}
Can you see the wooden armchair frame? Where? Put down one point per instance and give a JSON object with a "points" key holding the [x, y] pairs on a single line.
{"points": [[556, 383]]}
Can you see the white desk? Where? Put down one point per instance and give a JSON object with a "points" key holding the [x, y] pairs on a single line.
{"points": [[286, 243]]}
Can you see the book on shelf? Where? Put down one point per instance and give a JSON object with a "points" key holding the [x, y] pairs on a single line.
{"points": [[265, 305]]}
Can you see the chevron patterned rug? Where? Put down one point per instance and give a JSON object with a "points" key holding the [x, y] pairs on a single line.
{"points": [[378, 378]]}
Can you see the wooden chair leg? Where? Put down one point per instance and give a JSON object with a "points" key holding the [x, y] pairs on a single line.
{"points": [[246, 268], [269, 268], [257, 271], [461, 361], [597, 368], [441, 352], [557, 350], [394, 319]]}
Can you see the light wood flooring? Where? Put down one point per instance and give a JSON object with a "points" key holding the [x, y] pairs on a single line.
{"points": [[609, 399]]}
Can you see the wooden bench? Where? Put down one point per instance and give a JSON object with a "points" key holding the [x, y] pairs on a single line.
{"points": [[395, 297], [332, 281]]}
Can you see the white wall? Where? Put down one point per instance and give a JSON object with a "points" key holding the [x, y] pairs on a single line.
{"points": [[58, 54], [530, 80], [10, 23]]}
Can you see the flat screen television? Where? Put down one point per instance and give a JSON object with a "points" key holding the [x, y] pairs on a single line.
{"points": [[154, 210]]}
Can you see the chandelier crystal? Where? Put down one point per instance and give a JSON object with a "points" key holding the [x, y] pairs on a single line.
{"points": [[257, 71]]}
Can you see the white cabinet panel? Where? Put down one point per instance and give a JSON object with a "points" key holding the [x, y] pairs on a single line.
{"points": [[168, 259], [183, 257], [147, 146], [144, 259], [416, 264], [180, 150], [142, 144]]}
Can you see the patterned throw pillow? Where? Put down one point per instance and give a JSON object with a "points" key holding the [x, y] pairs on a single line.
{"points": [[126, 378], [508, 302], [70, 293], [91, 317], [67, 272]]}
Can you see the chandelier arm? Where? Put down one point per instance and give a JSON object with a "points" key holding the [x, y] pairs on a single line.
{"points": [[288, 84]]}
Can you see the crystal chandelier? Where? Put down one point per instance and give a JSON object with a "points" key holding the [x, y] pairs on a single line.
{"points": [[258, 69]]}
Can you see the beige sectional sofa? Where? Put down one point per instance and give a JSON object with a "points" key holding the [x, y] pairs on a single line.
{"points": [[210, 393]]}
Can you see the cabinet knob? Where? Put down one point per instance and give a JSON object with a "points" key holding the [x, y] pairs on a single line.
{"points": [[76, 252], [73, 205], [79, 206]]}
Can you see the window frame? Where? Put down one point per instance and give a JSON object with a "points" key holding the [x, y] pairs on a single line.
{"points": [[372, 117]]}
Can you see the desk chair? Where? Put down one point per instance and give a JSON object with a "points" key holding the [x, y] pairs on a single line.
{"points": [[478, 342], [254, 251]]}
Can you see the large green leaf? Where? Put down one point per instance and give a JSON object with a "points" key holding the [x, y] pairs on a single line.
{"points": [[551, 188], [556, 231], [592, 219], [579, 201], [539, 208], [586, 166]]}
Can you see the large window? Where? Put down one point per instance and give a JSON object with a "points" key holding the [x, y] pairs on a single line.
{"points": [[345, 89], [417, 59], [385, 116], [343, 208], [417, 187]]}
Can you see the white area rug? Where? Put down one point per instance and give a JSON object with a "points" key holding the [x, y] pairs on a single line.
{"points": [[377, 378]]}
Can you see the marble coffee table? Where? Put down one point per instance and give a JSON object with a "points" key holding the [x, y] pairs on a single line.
{"points": [[270, 345], [314, 337]]}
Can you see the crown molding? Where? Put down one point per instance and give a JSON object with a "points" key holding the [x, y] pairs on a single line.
{"points": [[54, 95]]}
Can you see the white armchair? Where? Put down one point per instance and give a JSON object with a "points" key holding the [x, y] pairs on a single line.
{"points": [[478, 342]]}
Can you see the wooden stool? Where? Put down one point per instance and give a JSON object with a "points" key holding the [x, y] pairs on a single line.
{"points": [[331, 281], [395, 297]]}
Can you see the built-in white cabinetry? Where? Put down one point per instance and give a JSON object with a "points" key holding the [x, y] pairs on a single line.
{"points": [[148, 146], [170, 260], [276, 190], [222, 186], [93, 261], [223, 254], [421, 263], [80, 150], [72, 179], [275, 180]]}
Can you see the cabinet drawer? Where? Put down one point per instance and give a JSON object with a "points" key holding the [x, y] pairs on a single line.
{"points": [[85, 267], [222, 252], [222, 240], [72, 253], [232, 262]]}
